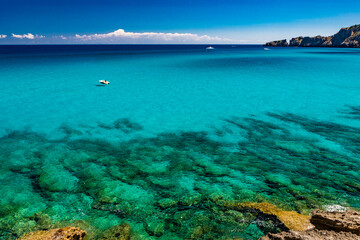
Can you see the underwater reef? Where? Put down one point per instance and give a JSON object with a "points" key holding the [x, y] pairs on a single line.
{"points": [[329, 225], [179, 185]]}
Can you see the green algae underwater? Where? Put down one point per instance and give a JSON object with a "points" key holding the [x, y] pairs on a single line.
{"points": [[173, 185]]}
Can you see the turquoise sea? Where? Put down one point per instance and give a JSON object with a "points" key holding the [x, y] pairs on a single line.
{"points": [[179, 131]]}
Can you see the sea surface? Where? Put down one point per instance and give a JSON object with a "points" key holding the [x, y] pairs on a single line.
{"points": [[178, 133]]}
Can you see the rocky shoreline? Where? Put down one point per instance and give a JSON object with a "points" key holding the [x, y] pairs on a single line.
{"points": [[347, 37], [326, 226], [321, 225]]}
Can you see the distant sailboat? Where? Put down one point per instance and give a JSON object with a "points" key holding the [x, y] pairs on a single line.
{"points": [[210, 48]]}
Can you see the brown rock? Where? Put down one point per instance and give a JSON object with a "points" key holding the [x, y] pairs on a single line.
{"points": [[296, 42], [308, 41], [329, 226], [67, 233], [311, 235], [348, 221]]}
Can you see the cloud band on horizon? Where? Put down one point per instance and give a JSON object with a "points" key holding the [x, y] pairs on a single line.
{"points": [[121, 34], [26, 36]]}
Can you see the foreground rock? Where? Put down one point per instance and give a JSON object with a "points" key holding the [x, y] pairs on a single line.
{"points": [[67, 233], [311, 235], [346, 37], [329, 226], [348, 221]]}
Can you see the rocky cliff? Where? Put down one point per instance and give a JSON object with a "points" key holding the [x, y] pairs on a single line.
{"points": [[346, 37], [279, 43]]}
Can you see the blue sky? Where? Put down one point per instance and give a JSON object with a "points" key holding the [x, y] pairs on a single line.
{"points": [[170, 21]]}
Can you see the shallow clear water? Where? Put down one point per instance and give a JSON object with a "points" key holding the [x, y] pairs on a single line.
{"points": [[177, 129]]}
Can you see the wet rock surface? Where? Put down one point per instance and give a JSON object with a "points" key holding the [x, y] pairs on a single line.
{"points": [[346, 37]]}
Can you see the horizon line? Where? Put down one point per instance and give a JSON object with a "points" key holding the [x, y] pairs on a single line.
{"points": [[38, 44]]}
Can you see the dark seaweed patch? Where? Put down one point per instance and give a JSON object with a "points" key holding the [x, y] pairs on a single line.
{"points": [[351, 112], [122, 124]]}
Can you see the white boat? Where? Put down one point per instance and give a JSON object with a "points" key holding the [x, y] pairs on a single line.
{"points": [[210, 48], [104, 82], [266, 49]]}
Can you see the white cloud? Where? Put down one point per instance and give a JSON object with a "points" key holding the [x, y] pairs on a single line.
{"points": [[3, 36], [28, 36], [120, 34], [62, 37]]}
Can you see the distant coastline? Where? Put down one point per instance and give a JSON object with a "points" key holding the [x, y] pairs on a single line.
{"points": [[347, 38]]}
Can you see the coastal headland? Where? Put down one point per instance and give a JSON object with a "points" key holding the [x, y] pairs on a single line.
{"points": [[347, 37]]}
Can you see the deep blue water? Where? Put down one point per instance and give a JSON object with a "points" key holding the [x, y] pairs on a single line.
{"points": [[23, 50], [180, 125]]}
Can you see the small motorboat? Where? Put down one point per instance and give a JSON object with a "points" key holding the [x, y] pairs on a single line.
{"points": [[210, 48], [104, 82], [266, 49]]}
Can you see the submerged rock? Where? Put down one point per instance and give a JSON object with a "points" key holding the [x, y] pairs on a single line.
{"points": [[291, 219], [67, 233], [119, 232], [190, 200], [167, 203], [155, 225]]}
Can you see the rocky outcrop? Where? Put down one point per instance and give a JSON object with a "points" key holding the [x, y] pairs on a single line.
{"points": [[311, 235], [348, 221], [328, 226], [317, 41], [346, 37], [67, 233], [279, 43]]}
